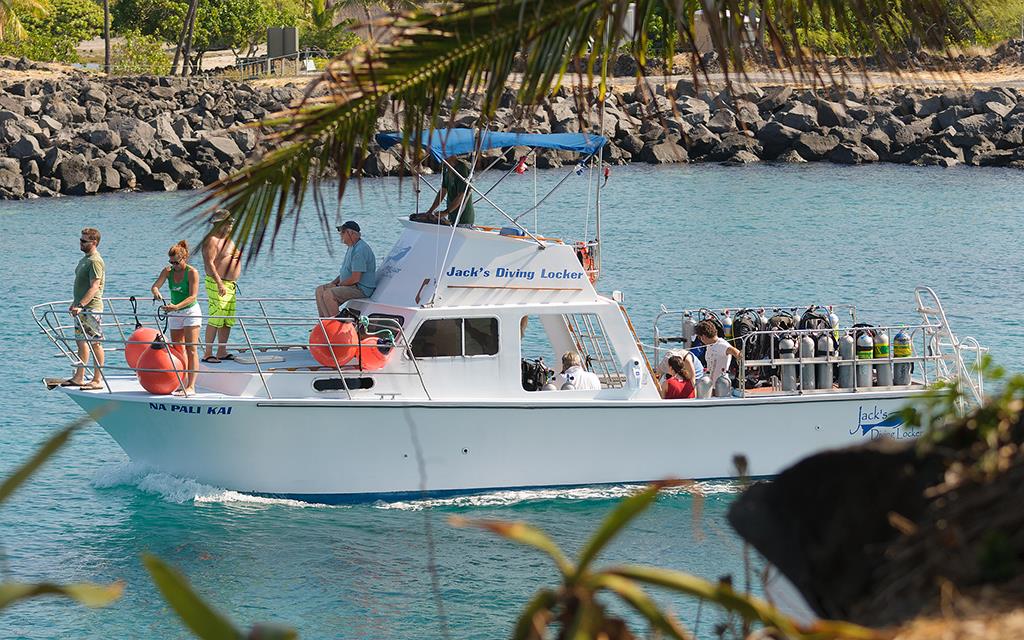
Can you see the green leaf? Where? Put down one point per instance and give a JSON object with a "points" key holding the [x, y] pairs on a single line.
{"points": [[622, 515], [636, 597], [199, 617], [522, 533], [91, 595], [50, 447], [746, 606], [533, 620]]}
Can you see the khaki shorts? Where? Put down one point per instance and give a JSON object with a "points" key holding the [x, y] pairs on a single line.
{"points": [[347, 292], [88, 327]]}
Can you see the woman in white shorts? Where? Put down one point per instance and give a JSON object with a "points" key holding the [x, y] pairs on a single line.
{"points": [[184, 316]]}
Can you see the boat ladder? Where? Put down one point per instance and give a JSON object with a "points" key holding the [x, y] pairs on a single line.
{"points": [[944, 343], [593, 346]]}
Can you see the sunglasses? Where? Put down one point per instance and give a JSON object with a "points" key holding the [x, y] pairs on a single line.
{"points": [[172, 261]]}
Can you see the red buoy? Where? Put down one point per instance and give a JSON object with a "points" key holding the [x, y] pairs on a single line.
{"points": [[373, 354], [341, 339], [138, 342], [166, 372]]}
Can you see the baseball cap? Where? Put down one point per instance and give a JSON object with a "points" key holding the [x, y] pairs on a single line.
{"points": [[220, 215], [351, 224]]}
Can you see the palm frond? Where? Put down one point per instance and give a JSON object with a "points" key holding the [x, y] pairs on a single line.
{"points": [[433, 55]]}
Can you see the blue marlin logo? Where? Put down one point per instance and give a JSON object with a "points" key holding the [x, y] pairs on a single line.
{"points": [[889, 423], [398, 254]]}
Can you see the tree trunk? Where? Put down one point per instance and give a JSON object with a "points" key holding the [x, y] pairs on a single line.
{"points": [[189, 27]]}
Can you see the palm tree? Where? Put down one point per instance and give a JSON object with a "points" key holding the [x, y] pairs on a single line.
{"points": [[10, 23], [432, 54]]}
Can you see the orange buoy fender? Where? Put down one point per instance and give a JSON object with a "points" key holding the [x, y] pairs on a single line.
{"points": [[178, 350], [333, 336], [374, 352], [138, 342], [160, 371]]}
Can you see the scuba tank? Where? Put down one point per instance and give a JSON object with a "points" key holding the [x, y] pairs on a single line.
{"points": [[688, 328], [902, 347], [833, 320], [883, 369], [806, 369], [723, 386], [865, 351], [823, 370], [787, 349], [704, 387], [847, 351], [727, 326]]}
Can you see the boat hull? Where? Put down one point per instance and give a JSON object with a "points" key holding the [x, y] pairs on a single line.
{"points": [[325, 450]]}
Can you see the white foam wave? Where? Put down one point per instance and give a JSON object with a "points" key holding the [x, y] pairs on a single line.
{"points": [[504, 498], [180, 490]]}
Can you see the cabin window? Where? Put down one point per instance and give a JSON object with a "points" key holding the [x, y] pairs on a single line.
{"points": [[548, 336], [337, 384], [449, 337]]}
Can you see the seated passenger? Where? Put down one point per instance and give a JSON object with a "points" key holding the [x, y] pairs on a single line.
{"points": [[357, 277], [680, 385], [719, 352], [574, 376], [690, 361]]}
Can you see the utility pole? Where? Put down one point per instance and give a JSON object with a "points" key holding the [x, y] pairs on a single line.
{"points": [[106, 36]]}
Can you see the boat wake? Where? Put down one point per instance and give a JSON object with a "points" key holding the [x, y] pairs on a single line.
{"points": [[505, 498], [179, 490]]}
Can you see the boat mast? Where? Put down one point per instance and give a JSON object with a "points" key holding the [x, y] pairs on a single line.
{"points": [[597, 204]]}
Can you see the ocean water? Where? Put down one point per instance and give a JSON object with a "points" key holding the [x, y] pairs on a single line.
{"points": [[680, 236]]}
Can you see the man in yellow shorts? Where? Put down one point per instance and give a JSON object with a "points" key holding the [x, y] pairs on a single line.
{"points": [[223, 262]]}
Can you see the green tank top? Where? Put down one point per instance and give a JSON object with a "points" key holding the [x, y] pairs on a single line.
{"points": [[179, 290]]}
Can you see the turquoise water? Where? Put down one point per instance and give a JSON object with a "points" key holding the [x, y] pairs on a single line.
{"points": [[683, 236]]}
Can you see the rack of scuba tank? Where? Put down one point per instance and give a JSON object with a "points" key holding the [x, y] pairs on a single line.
{"points": [[738, 320], [850, 360]]}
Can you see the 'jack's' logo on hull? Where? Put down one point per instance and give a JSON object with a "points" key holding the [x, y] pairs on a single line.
{"points": [[875, 422]]}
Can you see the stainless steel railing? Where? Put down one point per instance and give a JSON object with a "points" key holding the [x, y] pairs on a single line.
{"points": [[261, 332]]}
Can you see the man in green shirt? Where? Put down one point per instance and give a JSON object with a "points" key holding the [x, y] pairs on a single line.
{"points": [[88, 300], [453, 185]]}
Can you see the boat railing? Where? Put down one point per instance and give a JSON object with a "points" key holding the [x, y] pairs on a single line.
{"points": [[269, 329], [931, 357]]}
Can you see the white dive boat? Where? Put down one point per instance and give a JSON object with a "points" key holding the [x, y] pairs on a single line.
{"points": [[468, 309]]}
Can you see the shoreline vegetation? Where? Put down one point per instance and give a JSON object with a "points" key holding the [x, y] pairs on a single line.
{"points": [[79, 134]]}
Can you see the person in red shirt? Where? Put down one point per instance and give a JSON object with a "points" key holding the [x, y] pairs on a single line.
{"points": [[680, 385]]}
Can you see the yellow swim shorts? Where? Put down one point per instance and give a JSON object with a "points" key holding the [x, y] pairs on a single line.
{"points": [[222, 307]]}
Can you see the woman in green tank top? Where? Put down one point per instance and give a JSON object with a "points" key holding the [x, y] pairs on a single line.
{"points": [[184, 316]]}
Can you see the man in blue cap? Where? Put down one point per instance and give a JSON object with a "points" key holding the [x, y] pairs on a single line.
{"points": [[357, 277]]}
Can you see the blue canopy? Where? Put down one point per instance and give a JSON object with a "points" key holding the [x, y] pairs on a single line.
{"points": [[452, 142]]}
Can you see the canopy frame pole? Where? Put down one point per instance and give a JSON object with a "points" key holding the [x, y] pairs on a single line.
{"points": [[507, 174], [415, 171], [484, 197], [597, 204], [553, 189]]}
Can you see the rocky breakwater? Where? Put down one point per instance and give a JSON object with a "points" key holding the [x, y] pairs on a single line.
{"points": [[77, 135], [983, 127]]}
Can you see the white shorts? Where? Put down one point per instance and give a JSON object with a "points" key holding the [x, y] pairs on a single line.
{"points": [[188, 317]]}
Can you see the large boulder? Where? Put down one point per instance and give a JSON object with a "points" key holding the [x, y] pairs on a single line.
{"points": [[25, 148], [159, 182], [133, 163], [165, 132], [179, 170], [723, 121], [814, 146], [799, 116], [776, 137], [104, 138], [831, 114], [852, 154], [224, 149], [78, 176], [12, 185], [774, 99], [741, 158], [136, 136], [732, 144], [700, 141], [982, 97], [663, 152]]}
